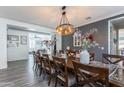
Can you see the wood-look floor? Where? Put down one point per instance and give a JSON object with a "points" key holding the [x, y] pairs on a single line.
{"points": [[21, 74]]}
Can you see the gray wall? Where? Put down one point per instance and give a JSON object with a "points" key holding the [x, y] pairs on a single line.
{"points": [[101, 37]]}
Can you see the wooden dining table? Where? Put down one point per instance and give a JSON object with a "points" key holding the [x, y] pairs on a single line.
{"points": [[117, 81]]}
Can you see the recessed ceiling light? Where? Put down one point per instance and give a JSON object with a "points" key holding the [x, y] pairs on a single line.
{"points": [[88, 18]]}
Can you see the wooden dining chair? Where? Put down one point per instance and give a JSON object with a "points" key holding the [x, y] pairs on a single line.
{"points": [[35, 58], [71, 53], [61, 71], [38, 63], [92, 56], [63, 76], [41, 65], [47, 68], [61, 51], [112, 59], [91, 75]]}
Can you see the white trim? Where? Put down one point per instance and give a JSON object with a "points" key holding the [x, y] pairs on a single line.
{"points": [[109, 31], [117, 18]]}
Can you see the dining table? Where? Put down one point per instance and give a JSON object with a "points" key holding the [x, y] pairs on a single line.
{"points": [[116, 76]]}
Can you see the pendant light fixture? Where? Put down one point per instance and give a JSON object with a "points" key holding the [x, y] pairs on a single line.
{"points": [[64, 28]]}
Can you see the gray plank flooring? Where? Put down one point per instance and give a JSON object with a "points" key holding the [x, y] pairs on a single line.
{"points": [[21, 74]]}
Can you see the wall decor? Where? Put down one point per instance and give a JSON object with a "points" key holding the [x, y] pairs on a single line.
{"points": [[12, 41], [12, 37], [23, 40], [77, 38]]}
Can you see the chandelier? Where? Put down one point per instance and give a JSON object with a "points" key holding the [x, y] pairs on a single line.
{"points": [[64, 28]]}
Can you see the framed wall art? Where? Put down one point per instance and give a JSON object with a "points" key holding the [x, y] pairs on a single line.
{"points": [[12, 41], [12, 37], [77, 38], [23, 40]]}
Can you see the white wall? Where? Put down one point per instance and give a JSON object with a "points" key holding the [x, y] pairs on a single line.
{"points": [[59, 42], [3, 47], [3, 36], [19, 52]]}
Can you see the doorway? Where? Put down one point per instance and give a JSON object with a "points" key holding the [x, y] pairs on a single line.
{"points": [[116, 36], [21, 41], [35, 42]]}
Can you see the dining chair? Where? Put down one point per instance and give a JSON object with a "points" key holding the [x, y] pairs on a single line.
{"points": [[41, 65], [34, 59], [71, 53], [61, 51], [62, 75], [38, 63], [47, 68], [91, 75], [115, 61], [112, 59], [61, 71], [92, 56]]}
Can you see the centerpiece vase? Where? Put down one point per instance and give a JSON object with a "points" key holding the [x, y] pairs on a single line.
{"points": [[84, 57]]}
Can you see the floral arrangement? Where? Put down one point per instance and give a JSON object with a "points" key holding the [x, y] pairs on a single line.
{"points": [[87, 40], [49, 43]]}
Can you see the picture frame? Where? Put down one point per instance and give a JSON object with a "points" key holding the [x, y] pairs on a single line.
{"points": [[77, 39], [23, 40], [12, 37]]}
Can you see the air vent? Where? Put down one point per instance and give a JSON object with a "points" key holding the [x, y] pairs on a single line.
{"points": [[88, 18]]}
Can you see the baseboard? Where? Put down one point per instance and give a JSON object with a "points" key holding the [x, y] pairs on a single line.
{"points": [[18, 60]]}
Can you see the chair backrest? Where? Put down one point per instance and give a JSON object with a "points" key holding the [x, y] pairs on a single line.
{"points": [[112, 59], [61, 51], [92, 56], [33, 52], [34, 57], [45, 55], [38, 58], [71, 53], [46, 62], [103, 72], [38, 52], [60, 67]]}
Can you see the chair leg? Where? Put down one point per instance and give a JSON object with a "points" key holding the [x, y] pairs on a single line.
{"points": [[49, 80], [76, 81], [66, 84], [40, 71], [44, 75], [37, 69], [56, 82], [34, 66]]}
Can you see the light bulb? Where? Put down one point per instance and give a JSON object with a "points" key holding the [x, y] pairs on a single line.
{"points": [[57, 30], [60, 28], [66, 32]]}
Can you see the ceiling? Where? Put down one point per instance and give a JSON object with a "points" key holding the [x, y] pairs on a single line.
{"points": [[118, 23], [49, 16], [14, 27]]}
